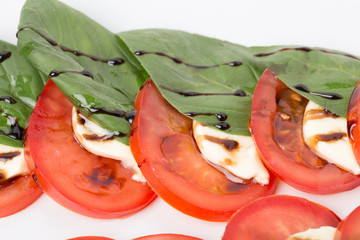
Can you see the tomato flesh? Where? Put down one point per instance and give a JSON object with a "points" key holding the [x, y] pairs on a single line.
{"points": [[17, 193], [81, 181], [353, 121], [276, 126], [349, 229], [167, 154], [167, 237], [278, 217]]}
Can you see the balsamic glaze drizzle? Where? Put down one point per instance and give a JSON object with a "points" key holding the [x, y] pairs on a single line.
{"points": [[219, 116], [4, 55], [239, 93], [222, 125], [129, 116], [179, 61], [16, 131], [331, 96], [306, 49], [8, 156], [55, 73], [110, 61], [8, 100]]}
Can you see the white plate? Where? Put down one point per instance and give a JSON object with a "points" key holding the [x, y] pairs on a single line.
{"points": [[258, 22]]}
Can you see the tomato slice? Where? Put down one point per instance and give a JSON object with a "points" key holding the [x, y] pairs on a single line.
{"points": [[276, 126], [353, 121], [17, 193], [278, 217], [79, 180], [167, 237], [167, 154], [349, 229]]}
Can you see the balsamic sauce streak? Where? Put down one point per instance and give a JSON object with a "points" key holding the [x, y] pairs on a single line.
{"points": [[239, 93], [330, 136], [8, 100], [8, 156], [4, 55], [16, 131], [179, 61], [306, 49], [222, 125], [219, 116], [110, 61], [331, 96], [228, 144], [55, 73]]}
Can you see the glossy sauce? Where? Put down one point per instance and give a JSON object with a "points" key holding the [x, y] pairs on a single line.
{"points": [[8, 156], [8, 100], [239, 93], [219, 116], [55, 73], [229, 145], [179, 61], [306, 49], [16, 131], [4, 55], [110, 61], [331, 96]]}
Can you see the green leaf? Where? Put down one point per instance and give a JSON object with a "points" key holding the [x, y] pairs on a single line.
{"points": [[112, 87], [199, 50], [320, 70], [21, 82]]}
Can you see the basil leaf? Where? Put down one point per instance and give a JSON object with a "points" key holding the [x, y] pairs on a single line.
{"points": [[176, 72], [113, 86], [320, 70], [20, 85]]}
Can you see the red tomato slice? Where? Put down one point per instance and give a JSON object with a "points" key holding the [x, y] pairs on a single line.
{"points": [[79, 180], [167, 154], [353, 121], [167, 237], [349, 229], [91, 238], [278, 217], [17, 193], [276, 125]]}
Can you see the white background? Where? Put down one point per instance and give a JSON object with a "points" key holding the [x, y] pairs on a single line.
{"points": [[329, 24]]}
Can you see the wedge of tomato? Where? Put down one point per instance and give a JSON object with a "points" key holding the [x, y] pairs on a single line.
{"points": [[79, 180], [276, 126], [163, 146], [167, 237], [349, 229], [278, 217], [17, 193]]}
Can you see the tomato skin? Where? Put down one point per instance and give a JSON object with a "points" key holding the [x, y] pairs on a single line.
{"points": [[278, 217], [161, 138], [353, 121], [325, 180], [83, 182], [349, 229], [18, 193], [91, 238], [167, 237]]}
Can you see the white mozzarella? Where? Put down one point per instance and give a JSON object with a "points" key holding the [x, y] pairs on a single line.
{"points": [[236, 154], [12, 162], [326, 135], [103, 144], [322, 233]]}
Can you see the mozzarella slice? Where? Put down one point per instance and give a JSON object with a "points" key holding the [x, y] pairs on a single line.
{"points": [[326, 135], [12, 162], [236, 155], [322, 233], [100, 141]]}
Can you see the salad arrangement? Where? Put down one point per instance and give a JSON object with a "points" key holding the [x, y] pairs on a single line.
{"points": [[205, 124]]}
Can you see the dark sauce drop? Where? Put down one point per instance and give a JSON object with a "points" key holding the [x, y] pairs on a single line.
{"points": [[16, 131], [239, 93], [222, 125], [8, 100], [331, 136], [110, 61], [219, 116], [306, 49], [8, 156], [4, 55], [115, 113], [129, 116], [179, 61], [85, 73], [331, 96], [228, 144]]}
